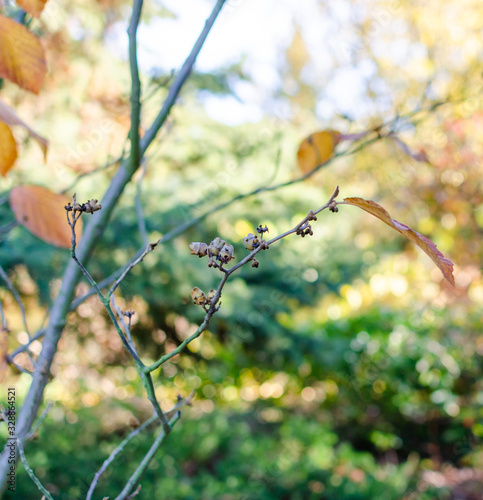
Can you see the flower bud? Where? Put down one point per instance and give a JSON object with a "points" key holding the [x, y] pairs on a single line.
{"points": [[92, 206], [211, 294], [216, 245], [198, 296], [251, 242], [226, 253], [198, 248]]}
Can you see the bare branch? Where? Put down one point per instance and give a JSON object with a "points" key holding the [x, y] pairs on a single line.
{"points": [[135, 155], [180, 79], [145, 461], [91, 235], [213, 308], [16, 296], [30, 472], [139, 207]]}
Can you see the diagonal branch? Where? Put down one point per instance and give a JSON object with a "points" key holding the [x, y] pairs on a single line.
{"points": [[180, 79], [301, 229], [91, 236], [135, 156]]}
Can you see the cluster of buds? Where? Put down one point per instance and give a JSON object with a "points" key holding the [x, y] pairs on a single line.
{"points": [[217, 250], [90, 207], [305, 230], [252, 242], [200, 298], [333, 207]]}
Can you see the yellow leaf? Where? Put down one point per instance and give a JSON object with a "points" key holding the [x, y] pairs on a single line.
{"points": [[316, 150], [22, 57], [444, 264], [8, 116], [33, 7], [42, 213], [8, 149]]}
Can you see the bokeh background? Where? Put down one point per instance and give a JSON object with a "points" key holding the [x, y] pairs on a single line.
{"points": [[344, 367]]}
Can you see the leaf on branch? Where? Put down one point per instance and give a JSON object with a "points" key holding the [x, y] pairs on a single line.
{"points": [[42, 212], [8, 149], [8, 116], [444, 264], [316, 150], [22, 57], [33, 7]]}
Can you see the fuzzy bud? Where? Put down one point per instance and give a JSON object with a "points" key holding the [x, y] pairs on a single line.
{"points": [[251, 242], [92, 206], [198, 296], [216, 245], [211, 294], [198, 248], [226, 253]]}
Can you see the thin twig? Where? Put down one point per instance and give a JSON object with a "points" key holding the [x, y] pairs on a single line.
{"points": [[145, 461], [16, 296], [180, 79], [126, 328], [226, 274], [30, 472], [116, 452], [92, 172], [25, 347], [170, 415], [117, 276], [9, 359], [90, 237], [37, 424], [145, 377], [135, 154], [139, 207], [3, 318]]}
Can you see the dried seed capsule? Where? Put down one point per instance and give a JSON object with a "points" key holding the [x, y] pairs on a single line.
{"points": [[92, 206], [216, 245], [251, 241], [198, 248], [198, 296], [226, 253]]}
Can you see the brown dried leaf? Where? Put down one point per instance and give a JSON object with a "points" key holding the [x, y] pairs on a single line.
{"points": [[8, 116], [444, 264], [22, 57], [8, 149], [316, 149], [33, 7], [42, 213]]}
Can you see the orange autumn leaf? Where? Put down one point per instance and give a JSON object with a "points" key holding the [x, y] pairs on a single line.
{"points": [[8, 149], [8, 116], [42, 212], [22, 57], [444, 264], [33, 7], [316, 150]]}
